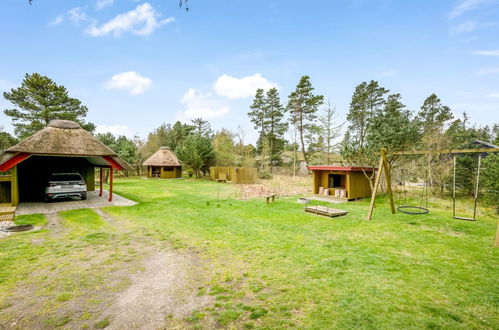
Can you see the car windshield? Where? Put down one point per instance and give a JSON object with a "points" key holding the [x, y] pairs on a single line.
{"points": [[65, 177]]}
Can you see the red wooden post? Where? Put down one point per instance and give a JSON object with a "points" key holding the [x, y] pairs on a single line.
{"points": [[100, 183], [110, 184]]}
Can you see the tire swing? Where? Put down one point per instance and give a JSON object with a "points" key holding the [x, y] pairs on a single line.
{"points": [[414, 209]]}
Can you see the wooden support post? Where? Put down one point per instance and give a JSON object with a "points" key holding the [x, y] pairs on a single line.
{"points": [[14, 187], [497, 236], [386, 168], [100, 183], [110, 184], [375, 190]]}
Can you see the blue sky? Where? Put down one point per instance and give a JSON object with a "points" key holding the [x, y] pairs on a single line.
{"points": [[137, 64]]}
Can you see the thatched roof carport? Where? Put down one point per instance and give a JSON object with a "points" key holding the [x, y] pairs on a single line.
{"points": [[61, 138]]}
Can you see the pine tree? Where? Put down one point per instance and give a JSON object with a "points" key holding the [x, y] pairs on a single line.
{"points": [[276, 126], [202, 127], [257, 115], [40, 100], [303, 105]]}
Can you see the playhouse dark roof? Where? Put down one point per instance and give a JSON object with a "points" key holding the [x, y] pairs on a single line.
{"points": [[340, 168]]}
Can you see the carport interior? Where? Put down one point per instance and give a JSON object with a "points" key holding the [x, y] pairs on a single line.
{"points": [[34, 172]]}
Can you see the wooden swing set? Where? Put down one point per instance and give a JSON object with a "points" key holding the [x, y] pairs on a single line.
{"points": [[384, 167]]}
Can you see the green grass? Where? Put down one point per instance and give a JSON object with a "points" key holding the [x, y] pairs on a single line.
{"points": [[31, 219], [296, 269], [270, 266]]}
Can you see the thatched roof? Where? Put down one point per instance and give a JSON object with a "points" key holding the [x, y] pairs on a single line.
{"points": [[163, 157], [63, 137]]}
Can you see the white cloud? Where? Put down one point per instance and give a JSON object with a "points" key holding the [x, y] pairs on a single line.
{"points": [[494, 95], [58, 20], [101, 4], [487, 52], [467, 5], [485, 71], [142, 20], [235, 88], [202, 105], [115, 130], [465, 27], [77, 15], [130, 81]]}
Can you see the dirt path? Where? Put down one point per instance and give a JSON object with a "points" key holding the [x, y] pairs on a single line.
{"points": [[53, 223], [166, 289]]}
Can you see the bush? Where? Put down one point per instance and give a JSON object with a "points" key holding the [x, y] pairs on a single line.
{"points": [[490, 181], [265, 175]]}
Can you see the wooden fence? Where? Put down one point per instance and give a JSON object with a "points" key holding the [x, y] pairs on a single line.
{"points": [[238, 175]]}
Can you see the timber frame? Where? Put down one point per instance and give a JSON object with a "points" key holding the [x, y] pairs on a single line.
{"points": [[384, 167]]}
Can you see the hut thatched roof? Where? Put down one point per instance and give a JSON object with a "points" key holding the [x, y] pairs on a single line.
{"points": [[64, 138], [163, 157]]}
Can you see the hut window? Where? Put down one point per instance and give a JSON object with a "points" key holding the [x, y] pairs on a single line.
{"points": [[336, 180], [168, 168]]}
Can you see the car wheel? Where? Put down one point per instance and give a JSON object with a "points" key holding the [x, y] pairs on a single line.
{"points": [[83, 197]]}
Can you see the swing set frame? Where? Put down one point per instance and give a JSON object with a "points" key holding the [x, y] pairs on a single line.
{"points": [[384, 167]]}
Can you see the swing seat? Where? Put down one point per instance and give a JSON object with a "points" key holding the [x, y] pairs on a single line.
{"points": [[408, 209], [464, 218]]}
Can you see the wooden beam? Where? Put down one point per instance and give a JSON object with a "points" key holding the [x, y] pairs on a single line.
{"points": [[110, 184], [14, 187], [497, 236], [446, 151], [375, 190], [100, 182], [386, 168]]}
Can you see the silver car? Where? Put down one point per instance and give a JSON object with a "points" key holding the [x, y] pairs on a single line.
{"points": [[65, 185]]}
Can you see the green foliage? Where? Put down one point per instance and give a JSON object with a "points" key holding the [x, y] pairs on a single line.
{"points": [[126, 148], [490, 180], [367, 100], [197, 152], [39, 100], [433, 115], [303, 106], [392, 127], [368, 104], [223, 145], [167, 135], [6, 140], [202, 127]]}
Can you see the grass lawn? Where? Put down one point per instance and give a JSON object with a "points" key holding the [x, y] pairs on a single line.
{"points": [[267, 266]]}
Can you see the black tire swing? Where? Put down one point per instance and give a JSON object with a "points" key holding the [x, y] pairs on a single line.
{"points": [[414, 209]]}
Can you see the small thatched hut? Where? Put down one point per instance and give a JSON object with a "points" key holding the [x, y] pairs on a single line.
{"points": [[62, 146], [163, 164]]}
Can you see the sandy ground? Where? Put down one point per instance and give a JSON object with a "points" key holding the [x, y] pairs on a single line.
{"points": [[161, 287], [164, 289]]}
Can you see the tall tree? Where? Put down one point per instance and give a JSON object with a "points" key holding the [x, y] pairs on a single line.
{"points": [[367, 102], [303, 105], [201, 126], [328, 131], [276, 126], [197, 153], [367, 99], [393, 127], [258, 115], [6, 140], [433, 115], [39, 100], [223, 145]]}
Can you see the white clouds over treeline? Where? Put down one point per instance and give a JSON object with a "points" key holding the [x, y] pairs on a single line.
{"points": [[143, 20]]}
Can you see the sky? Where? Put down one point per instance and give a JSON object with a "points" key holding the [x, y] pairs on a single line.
{"points": [[138, 64]]}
